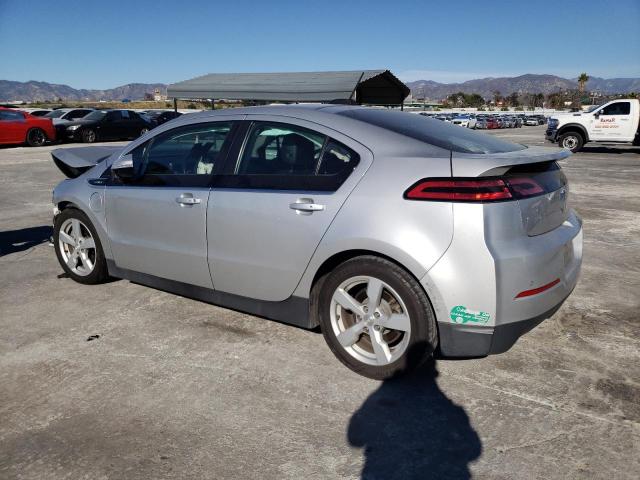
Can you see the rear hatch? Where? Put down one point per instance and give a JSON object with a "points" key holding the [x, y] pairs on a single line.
{"points": [[533, 177]]}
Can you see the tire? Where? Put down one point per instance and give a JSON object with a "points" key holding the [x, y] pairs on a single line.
{"points": [[143, 131], [572, 141], [403, 304], [89, 136], [36, 137], [66, 241]]}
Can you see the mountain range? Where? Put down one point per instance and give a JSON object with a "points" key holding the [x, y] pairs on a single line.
{"points": [[33, 91], [42, 91], [529, 83]]}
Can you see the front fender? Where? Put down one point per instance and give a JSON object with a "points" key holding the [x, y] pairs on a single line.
{"points": [[79, 193], [572, 127]]}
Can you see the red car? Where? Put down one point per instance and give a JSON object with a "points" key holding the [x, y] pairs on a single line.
{"points": [[492, 123], [18, 127]]}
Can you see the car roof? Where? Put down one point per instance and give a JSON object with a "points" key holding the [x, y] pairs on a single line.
{"points": [[375, 138]]}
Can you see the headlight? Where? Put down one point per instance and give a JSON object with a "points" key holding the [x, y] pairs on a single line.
{"points": [[73, 127], [553, 122]]}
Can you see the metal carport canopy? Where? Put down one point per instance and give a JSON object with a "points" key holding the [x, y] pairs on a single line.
{"points": [[362, 86]]}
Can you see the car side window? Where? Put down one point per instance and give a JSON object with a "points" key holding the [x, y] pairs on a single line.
{"points": [[336, 158], [281, 156], [617, 108], [280, 149], [188, 150], [113, 116], [10, 116]]}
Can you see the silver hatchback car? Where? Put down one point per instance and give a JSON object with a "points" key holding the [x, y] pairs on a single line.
{"points": [[399, 235]]}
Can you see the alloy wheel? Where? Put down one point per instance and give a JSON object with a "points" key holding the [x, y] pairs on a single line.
{"points": [[370, 320], [570, 142], [77, 247], [37, 137]]}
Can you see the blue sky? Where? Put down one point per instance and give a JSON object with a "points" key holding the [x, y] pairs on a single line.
{"points": [[103, 44]]}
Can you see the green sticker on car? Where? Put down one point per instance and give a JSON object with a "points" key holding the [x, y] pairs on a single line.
{"points": [[461, 314]]}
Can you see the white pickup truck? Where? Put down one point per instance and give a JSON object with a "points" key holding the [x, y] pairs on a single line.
{"points": [[614, 122]]}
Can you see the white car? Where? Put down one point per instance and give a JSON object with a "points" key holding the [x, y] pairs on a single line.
{"points": [[467, 121]]}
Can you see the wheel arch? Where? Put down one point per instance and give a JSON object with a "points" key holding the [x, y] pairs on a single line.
{"points": [[574, 127], [31, 129], [338, 258]]}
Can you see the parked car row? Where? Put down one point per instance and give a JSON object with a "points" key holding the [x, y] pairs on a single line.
{"points": [[85, 125], [487, 121]]}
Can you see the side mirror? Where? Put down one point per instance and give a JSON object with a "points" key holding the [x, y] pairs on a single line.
{"points": [[123, 167]]}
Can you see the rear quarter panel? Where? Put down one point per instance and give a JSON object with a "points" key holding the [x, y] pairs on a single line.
{"points": [[378, 219]]}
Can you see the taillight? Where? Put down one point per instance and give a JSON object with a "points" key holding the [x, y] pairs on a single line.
{"points": [[490, 189], [524, 187], [459, 190]]}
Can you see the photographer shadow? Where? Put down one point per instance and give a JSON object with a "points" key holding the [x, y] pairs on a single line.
{"points": [[409, 429]]}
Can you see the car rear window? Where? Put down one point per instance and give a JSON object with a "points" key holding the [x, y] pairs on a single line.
{"points": [[433, 132]]}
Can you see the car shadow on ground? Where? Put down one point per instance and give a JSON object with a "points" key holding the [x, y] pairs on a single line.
{"points": [[13, 241], [587, 149], [408, 429]]}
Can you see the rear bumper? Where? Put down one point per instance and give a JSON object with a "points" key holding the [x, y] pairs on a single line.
{"points": [[483, 288], [465, 341]]}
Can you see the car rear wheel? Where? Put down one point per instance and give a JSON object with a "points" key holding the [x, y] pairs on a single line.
{"points": [[143, 131], [36, 137], [88, 136], [78, 247], [571, 140], [376, 318]]}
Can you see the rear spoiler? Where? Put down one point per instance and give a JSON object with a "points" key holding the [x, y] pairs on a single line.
{"points": [[73, 162], [474, 165]]}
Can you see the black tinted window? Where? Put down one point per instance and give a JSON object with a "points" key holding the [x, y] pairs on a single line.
{"points": [[336, 158], [190, 150], [433, 132], [11, 116], [618, 108], [280, 149]]}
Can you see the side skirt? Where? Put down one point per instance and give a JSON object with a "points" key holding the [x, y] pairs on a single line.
{"points": [[294, 310]]}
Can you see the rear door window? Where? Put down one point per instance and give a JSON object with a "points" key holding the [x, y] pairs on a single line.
{"points": [[279, 156], [279, 149]]}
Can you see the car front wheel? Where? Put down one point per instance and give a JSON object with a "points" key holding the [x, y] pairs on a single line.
{"points": [[88, 136], [376, 318], [571, 140], [78, 247]]}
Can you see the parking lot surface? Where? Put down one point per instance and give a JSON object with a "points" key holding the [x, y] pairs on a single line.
{"points": [[124, 381]]}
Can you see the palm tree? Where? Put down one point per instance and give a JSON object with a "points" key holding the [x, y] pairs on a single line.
{"points": [[582, 80]]}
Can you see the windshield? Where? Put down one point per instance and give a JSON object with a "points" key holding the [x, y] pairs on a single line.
{"points": [[433, 132], [593, 107], [95, 115], [56, 114]]}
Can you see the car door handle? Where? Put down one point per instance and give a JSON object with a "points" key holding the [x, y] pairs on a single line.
{"points": [[305, 205], [187, 199]]}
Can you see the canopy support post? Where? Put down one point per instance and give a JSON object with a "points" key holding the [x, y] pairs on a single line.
{"points": [[175, 104], [213, 104]]}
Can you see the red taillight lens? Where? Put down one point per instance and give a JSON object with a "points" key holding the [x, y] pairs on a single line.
{"points": [[524, 187], [459, 190]]}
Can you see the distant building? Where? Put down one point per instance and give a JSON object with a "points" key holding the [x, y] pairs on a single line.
{"points": [[158, 97]]}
